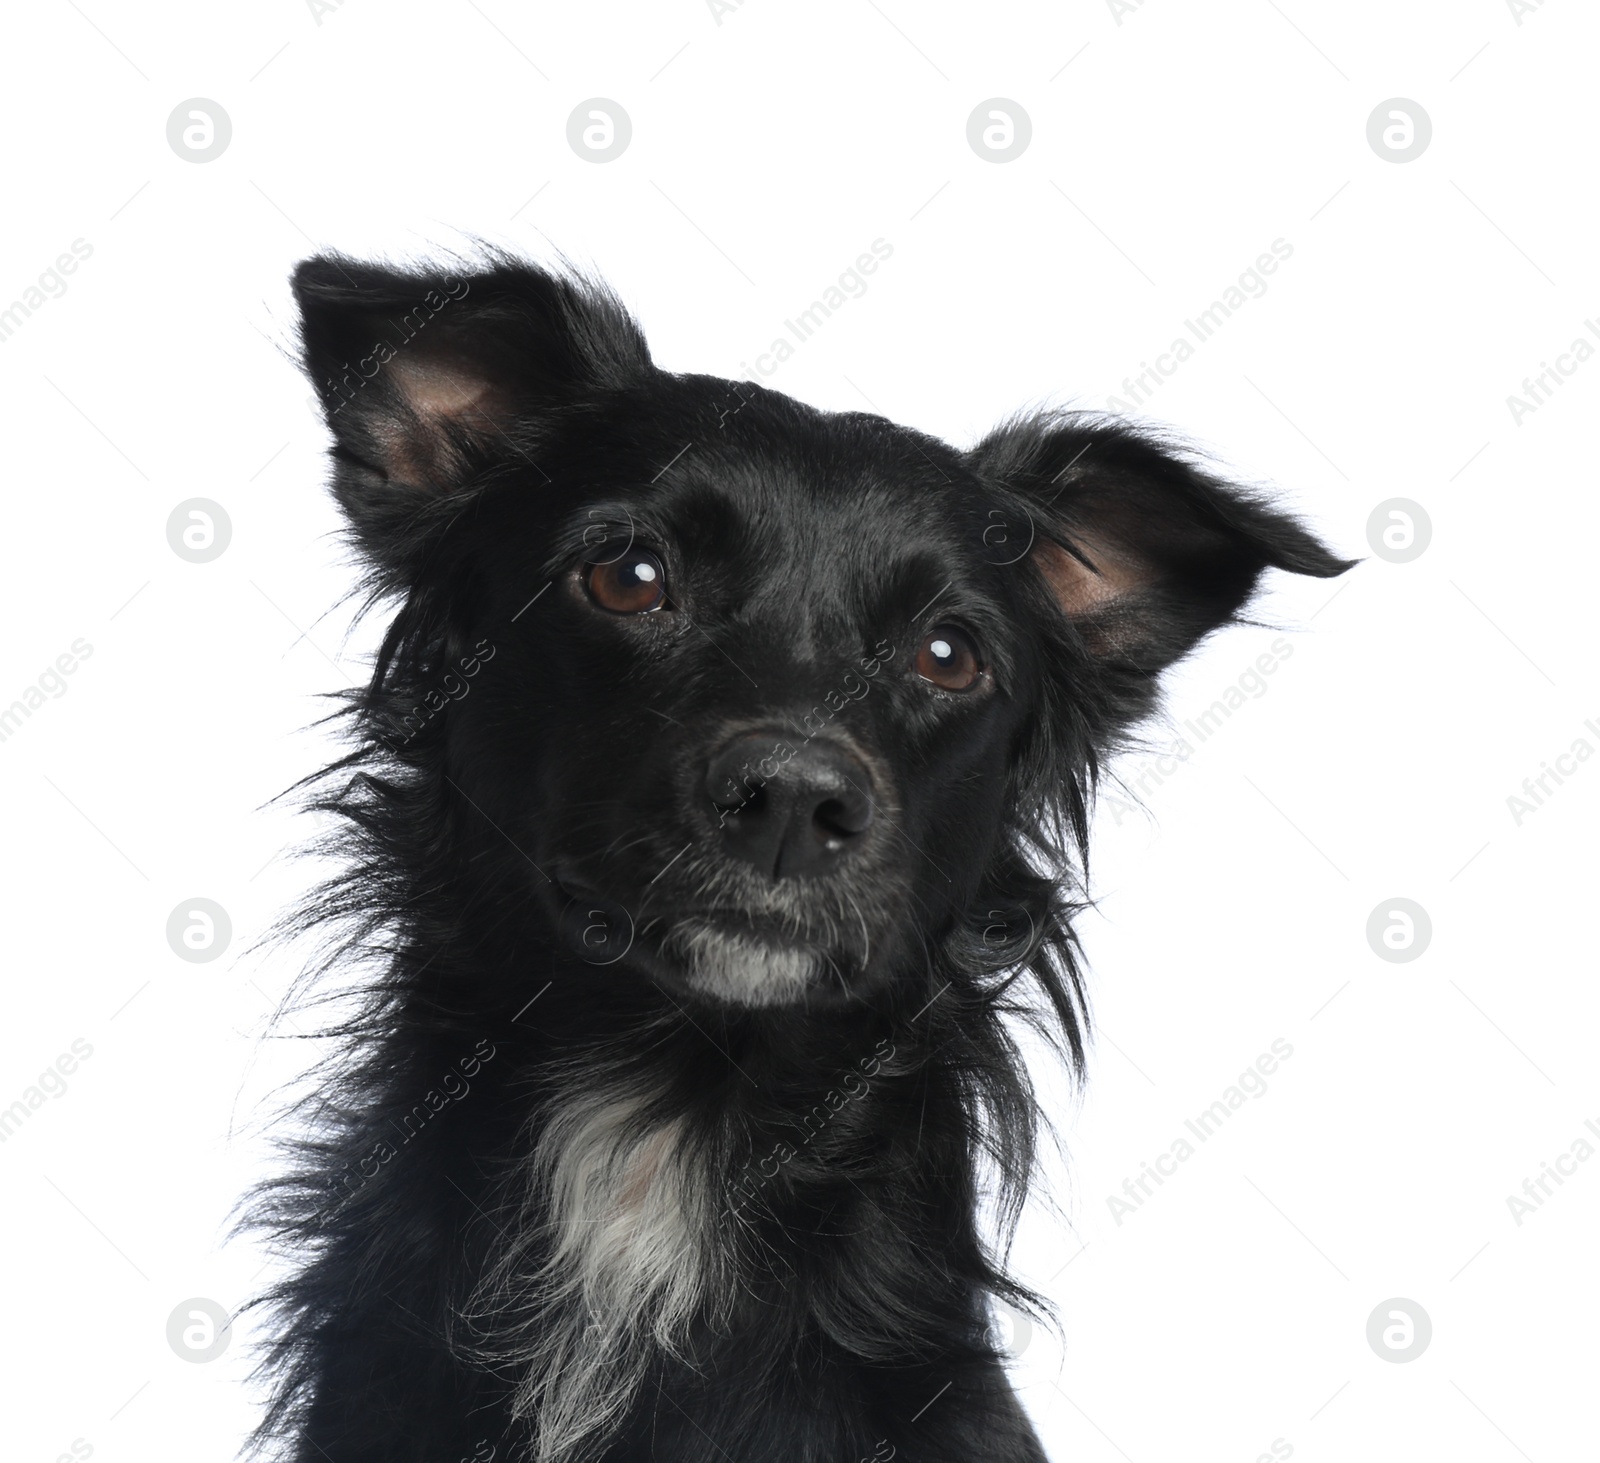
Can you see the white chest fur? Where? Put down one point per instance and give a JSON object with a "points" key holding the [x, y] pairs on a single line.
{"points": [[620, 1211]]}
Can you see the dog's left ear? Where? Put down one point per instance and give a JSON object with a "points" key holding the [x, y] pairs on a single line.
{"points": [[430, 379], [1140, 548]]}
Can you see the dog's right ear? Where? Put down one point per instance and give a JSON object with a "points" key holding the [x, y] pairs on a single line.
{"points": [[1138, 546], [429, 379]]}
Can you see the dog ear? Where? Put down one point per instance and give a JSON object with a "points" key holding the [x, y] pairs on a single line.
{"points": [[427, 378], [1142, 550]]}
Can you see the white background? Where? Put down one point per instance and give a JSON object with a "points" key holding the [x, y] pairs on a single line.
{"points": [[1170, 146]]}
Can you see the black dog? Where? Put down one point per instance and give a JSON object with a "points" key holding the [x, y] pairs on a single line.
{"points": [[705, 828]]}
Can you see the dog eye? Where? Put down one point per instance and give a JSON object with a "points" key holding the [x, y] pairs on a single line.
{"points": [[948, 658], [635, 584]]}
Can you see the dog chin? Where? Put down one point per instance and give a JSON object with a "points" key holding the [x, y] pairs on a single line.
{"points": [[741, 970]]}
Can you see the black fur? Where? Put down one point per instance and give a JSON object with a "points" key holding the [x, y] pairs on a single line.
{"points": [[524, 815]]}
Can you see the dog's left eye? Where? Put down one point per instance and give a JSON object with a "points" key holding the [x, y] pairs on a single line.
{"points": [[948, 659], [635, 584]]}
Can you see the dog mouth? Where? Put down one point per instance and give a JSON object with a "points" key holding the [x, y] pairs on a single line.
{"points": [[730, 956], [741, 966]]}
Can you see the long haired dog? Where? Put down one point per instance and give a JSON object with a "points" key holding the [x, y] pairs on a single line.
{"points": [[709, 825]]}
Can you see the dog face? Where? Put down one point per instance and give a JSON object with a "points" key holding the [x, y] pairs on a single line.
{"points": [[759, 702], [761, 717]]}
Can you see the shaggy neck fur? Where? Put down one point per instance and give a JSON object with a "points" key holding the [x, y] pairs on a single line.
{"points": [[635, 1198]]}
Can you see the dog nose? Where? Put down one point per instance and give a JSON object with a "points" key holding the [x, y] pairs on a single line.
{"points": [[789, 816]]}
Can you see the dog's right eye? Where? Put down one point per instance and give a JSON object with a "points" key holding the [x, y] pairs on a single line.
{"points": [[635, 584], [948, 659]]}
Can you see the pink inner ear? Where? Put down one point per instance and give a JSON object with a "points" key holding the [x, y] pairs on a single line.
{"points": [[1078, 589], [444, 391], [439, 389]]}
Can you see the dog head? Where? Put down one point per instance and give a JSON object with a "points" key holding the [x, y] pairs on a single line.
{"points": [[768, 704]]}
